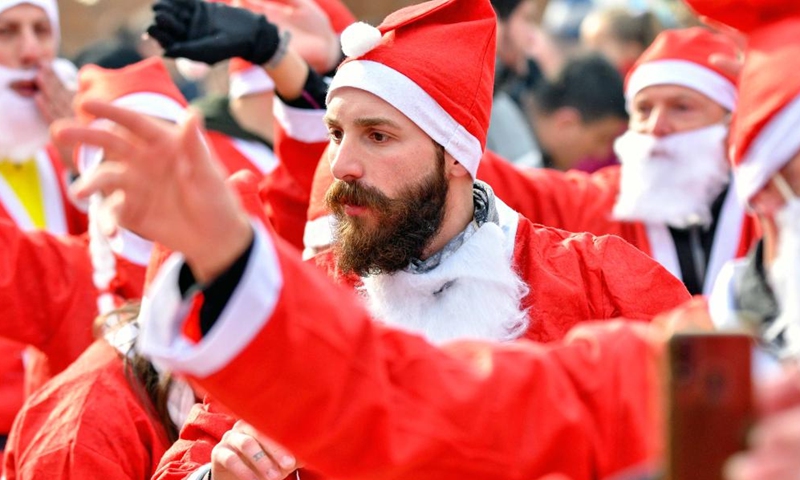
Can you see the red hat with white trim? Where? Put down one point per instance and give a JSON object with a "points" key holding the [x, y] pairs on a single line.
{"points": [[145, 87], [681, 57], [434, 62], [764, 131]]}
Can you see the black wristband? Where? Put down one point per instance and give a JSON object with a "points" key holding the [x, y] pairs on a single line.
{"points": [[313, 96]]}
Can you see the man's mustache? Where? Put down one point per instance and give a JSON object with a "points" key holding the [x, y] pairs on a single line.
{"points": [[343, 193]]}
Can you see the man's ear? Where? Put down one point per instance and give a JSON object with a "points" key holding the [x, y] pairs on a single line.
{"points": [[452, 168]]}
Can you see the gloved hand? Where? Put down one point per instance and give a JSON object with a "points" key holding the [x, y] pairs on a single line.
{"points": [[212, 32]]}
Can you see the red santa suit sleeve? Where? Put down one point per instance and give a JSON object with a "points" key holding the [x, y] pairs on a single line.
{"points": [[48, 298], [574, 201], [88, 422], [300, 140], [370, 402], [203, 429]]}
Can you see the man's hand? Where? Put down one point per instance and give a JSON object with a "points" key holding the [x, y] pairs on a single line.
{"points": [[212, 32], [245, 454], [54, 99], [161, 182], [313, 37]]}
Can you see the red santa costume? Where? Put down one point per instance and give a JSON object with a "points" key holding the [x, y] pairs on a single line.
{"points": [[580, 202], [54, 286], [508, 279], [764, 141], [32, 190], [91, 421]]}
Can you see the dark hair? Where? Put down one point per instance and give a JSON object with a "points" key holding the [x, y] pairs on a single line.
{"points": [[151, 387], [640, 28], [587, 83]]}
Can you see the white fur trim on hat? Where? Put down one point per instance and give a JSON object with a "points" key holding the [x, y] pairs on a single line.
{"points": [[50, 7], [359, 38], [251, 81], [415, 103], [776, 144], [685, 74]]}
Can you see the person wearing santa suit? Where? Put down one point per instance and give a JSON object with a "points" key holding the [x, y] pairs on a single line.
{"points": [[55, 285], [662, 199], [448, 268], [108, 415], [33, 90], [761, 292]]}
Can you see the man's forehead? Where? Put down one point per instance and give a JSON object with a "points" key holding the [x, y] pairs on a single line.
{"points": [[348, 104]]}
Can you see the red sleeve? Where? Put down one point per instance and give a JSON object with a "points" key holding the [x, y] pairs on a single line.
{"points": [[47, 295], [203, 429], [46, 292], [574, 201], [287, 189], [372, 403]]}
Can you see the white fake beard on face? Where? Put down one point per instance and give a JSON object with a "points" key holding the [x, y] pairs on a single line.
{"points": [[672, 179], [472, 294], [23, 130], [784, 278]]}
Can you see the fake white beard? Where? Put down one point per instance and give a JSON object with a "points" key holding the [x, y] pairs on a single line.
{"points": [[472, 294], [23, 130], [672, 179], [784, 276]]}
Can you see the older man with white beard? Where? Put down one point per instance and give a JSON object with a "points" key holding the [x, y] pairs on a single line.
{"points": [[32, 178]]}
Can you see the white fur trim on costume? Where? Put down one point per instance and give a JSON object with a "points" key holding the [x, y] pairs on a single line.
{"points": [[131, 247], [359, 38], [474, 293], [251, 81], [415, 103], [683, 73], [300, 124], [153, 104], [257, 153], [662, 248], [726, 239], [776, 144], [318, 234], [248, 310]]}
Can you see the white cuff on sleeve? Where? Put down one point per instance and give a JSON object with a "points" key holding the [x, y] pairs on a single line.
{"points": [[301, 124], [248, 310]]}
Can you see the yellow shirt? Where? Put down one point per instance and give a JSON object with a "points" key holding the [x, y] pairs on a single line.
{"points": [[23, 178]]}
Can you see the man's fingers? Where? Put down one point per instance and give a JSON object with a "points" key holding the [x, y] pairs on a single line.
{"points": [[107, 177], [65, 133], [224, 459]]}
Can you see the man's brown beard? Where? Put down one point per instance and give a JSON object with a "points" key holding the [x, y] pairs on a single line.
{"points": [[404, 227]]}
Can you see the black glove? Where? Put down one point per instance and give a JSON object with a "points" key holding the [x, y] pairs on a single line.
{"points": [[212, 32]]}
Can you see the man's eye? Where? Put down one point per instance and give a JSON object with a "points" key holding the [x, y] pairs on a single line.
{"points": [[335, 135], [379, 137]]}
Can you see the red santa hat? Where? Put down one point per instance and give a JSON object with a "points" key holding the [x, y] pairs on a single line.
{"points": [[681, 57], [145, 87], [50, 7], [434, 62], [764, 131], [248, 79]]}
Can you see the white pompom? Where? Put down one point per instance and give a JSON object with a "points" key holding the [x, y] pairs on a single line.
{"points": [[359, 38]]}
